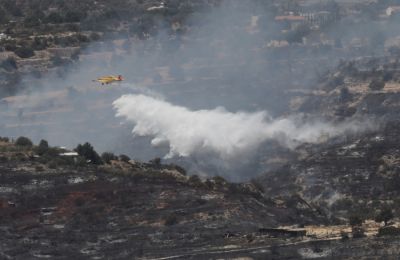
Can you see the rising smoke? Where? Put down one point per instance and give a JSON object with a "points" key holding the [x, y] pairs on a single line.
{"points": [[226, 134]]}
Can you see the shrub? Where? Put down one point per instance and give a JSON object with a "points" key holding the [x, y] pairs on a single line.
{"points": [[355, 220], [258, 185], [376, 84], [39, 168], [219, 181], [79, 202], [387, 76], [297, 35], [345, 94], [54, 18], [389, 231], [57, 60], [52, 165], [156, 161], [4, 139], [358, 232], [385, 215], [73, 17], [23, 141], [39, 44], [82, 38], [31, 21], [180, 169], [344, 236], [171, 220], [94, 36], [124, 158], [335, 81], [10, 46], [195, 181], [9, 64], [108, 157], [24, 52]]}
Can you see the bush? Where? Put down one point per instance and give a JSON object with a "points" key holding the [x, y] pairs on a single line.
{"points": [[79, 202], [345, 94], [297, 35], [57, 60], [257, 185], [74, 17], [389, 231], [179, 169], [376, 84], [219, 181], [24, 52], [86, 150], [4, 139], [94, 36], [387, 76], [385, 215], [39, 44], [358, 232], [9, 64], [82, 38], [23, 141], [355, 220], [108, 157], [39, 168], [54, 18], [195, 181], [335, 81], [156, 161], [32, 21], [344, 236], [124, 158], [171, 220]]}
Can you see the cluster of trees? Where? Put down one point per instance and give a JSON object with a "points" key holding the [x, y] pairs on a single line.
{"points": [[85, 151], [38, 17]]}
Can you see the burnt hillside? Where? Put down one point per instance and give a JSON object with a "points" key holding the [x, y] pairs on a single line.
{"points": [[55, 207]]}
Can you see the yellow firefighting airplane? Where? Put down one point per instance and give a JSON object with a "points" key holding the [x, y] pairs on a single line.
{"points": [[109, 79]]}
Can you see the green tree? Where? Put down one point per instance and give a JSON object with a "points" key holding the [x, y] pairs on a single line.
{"points": [[87, 151], [43, 147], [23, 141]]}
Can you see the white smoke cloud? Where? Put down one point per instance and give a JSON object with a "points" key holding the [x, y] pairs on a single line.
{"points": [[227, 134]]}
